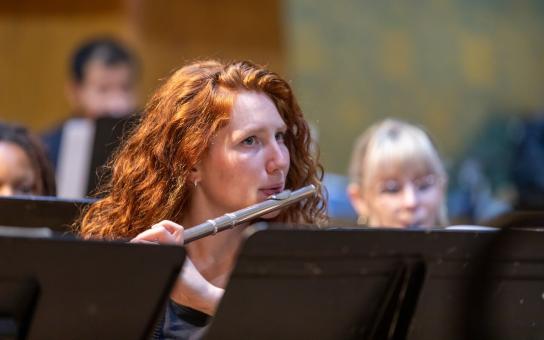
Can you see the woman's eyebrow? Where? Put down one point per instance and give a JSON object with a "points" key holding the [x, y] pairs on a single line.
{"points": [[256, 129]]}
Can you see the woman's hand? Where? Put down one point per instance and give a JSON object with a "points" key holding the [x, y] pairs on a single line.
{"points": [[164, 232], [191, 288]]}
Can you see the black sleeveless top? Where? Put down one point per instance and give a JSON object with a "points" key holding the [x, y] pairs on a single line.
{"points": [[181, 322]]}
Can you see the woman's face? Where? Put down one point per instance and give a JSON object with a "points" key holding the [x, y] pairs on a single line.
{"points": [[247, 159], [16, 174], [405, 200]]}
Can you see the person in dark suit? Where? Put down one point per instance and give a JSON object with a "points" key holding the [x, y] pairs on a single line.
{"points": [[103, 75]]}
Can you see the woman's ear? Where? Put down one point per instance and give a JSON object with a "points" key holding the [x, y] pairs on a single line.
{"points": [[356, 198], [444, 182], [195, 175]]}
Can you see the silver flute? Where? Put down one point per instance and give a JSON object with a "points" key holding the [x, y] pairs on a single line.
{"points": [[229, 220]]}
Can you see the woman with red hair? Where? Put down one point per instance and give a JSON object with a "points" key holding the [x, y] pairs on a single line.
{"points": [[214, 138]]}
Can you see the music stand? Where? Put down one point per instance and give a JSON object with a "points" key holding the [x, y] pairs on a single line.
{"points": [[518, 219], [85, 147], [371, 284], [72, 289], [109, 132], [41, 211]]}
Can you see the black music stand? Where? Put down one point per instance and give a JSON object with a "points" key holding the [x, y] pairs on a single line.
{"points": [[70, 289], [41, 212], [518, 219], [378, 284], [109, 132]]}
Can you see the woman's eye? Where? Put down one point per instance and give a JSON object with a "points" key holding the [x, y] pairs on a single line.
{"points": [[423, 186], [249, 140], [24, 190], [391, 187], [280, 136], [425, 183]]}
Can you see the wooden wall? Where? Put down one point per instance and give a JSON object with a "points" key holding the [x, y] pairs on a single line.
{"points": [[37, 38], [446, 64]]}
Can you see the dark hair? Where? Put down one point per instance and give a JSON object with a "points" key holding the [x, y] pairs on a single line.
{"points": [[18, 135], [108, 51]]}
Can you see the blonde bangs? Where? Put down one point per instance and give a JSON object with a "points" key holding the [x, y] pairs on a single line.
{"points": [[400, 149]]}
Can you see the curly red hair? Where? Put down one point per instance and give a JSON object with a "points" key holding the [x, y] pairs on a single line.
{"points": [[150, 172]]}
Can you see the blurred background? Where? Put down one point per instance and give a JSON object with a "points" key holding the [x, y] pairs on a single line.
{"points": [[39, 37], [451, 66]]}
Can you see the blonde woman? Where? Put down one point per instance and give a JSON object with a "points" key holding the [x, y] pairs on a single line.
{"points": [[397, 179]]}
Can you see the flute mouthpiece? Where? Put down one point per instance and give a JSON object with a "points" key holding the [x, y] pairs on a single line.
{"points": [[280, 195]]}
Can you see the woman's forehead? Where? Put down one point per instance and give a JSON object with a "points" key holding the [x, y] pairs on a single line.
{"points": [[254, 110], [14, 151], [401, 168]]}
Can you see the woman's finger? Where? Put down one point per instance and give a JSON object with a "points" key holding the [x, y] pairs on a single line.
{"points": [[158, 235], [175, 229], [169, 225]]}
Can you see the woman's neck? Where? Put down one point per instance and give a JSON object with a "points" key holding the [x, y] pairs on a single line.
{"points": [[214, 256]]}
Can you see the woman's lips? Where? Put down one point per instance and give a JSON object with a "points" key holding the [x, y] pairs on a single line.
{"points": [[415, 224], [271, 190]]}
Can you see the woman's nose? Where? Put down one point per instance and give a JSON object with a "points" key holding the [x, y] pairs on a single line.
{"points": [[278, 158], [409, 196]]}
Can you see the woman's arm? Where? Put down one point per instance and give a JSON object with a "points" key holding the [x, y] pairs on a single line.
{"points": [[191, 288]]}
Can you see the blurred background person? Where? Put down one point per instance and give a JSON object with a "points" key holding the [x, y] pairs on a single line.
{"points": [[501, 170], [104, 74], [24, 167], [102, 83], [102, 94], [397, 178]]}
